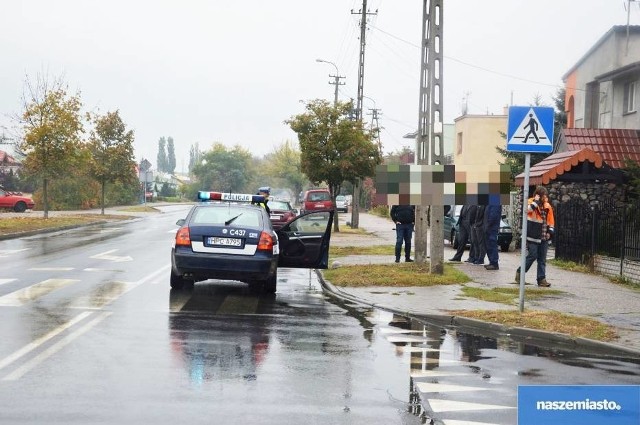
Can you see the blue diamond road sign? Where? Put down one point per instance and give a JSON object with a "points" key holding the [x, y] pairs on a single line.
{"points": [[530, 129]]}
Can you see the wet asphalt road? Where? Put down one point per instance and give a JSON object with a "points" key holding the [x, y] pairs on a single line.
{"points": [[91, 334]]}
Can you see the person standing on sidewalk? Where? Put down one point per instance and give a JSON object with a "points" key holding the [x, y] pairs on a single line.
{"points": [[472, 236], [492, 215], [540, 228], [479, 250], [404, 216], [464, 232]]}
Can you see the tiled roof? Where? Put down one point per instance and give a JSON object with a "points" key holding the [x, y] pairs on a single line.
{"points": [[614, 145], [559, 163], [7, 159]]}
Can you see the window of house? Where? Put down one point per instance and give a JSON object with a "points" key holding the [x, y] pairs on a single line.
{"points": [[629, 97], [459, 144]]}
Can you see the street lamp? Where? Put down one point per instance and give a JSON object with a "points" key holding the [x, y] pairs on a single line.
{"points": [[336, 79]]}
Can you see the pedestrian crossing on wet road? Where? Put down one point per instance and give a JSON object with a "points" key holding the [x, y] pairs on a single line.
{"points": [[448, 387]]}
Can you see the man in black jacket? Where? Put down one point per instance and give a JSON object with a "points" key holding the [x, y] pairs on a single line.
{"points": [[404, 216], [467, 213]]}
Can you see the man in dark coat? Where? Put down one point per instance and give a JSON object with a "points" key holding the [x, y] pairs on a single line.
{"points": [[479, 249], [404, 216], [492, 215]]}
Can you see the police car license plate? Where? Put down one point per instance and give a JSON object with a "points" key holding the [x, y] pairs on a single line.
{"points": [[224, 241]]}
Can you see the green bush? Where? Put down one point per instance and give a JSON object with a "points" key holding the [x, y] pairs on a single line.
{"points": [[380, 210]]}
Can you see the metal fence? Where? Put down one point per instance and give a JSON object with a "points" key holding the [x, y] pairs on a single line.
{"points": [[584, 231]]}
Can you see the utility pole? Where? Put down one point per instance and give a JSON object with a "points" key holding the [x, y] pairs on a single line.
{"points": [[429, 140], [375, 126], [355, 209], [336, 80]]}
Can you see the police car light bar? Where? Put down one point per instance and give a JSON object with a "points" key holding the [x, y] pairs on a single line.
{"points": [[231, 197]]}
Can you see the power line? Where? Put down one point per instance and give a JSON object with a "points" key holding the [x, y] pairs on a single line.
{"points": [[502, 74]]}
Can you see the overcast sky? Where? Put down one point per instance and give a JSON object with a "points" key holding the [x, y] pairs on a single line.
{"points": [[232, 71]]}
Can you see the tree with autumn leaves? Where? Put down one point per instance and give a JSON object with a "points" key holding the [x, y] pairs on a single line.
{"points": [[333, 147], [111, 147], [58, 157]]}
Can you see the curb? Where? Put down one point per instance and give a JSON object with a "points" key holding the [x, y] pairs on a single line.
{"points": [[59, 229], [533, 336]]}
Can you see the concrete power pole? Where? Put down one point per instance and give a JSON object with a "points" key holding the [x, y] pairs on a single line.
{"points": [[429, 141], [355, 208]]}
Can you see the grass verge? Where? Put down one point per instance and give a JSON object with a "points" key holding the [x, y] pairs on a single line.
{"points": [[26, 224], [393, 275], [343, 251], [507, 296], [570, 266], [549, 321]]}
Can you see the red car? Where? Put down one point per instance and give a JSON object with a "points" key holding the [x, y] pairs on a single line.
{"points": [[281, 212], [316, 199], [15, 201]]}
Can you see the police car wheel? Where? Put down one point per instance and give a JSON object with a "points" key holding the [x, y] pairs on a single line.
{"points": [[177, 282], [271, 284]]}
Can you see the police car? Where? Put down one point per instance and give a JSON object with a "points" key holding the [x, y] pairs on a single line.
{"points": [[229, 236]]}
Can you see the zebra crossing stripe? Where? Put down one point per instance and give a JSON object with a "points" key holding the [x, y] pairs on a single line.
{"points": [[407, 338], [437, 374], [428, 387], [439, 405], [398, 331], [22, 296], [457, 422], [3, 281]]}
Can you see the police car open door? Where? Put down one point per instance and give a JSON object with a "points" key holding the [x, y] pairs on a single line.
{"points": [[304, 242]]}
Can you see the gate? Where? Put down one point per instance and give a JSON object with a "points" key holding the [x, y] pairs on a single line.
{"points": [[574, 227]]}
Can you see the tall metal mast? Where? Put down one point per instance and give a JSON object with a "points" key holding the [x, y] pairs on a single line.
{"points": [[429, 140]]}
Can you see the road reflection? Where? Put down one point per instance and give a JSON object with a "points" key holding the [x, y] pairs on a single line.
{"points": [[220, 331]]}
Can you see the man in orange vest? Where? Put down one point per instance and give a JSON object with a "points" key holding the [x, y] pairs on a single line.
{"points": [[540, 228]]}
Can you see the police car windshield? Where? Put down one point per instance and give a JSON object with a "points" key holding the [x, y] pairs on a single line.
{"points": [[226, 215]]}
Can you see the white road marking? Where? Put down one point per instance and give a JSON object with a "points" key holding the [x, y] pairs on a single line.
{"points": [[154, 275], [22, 296], [438, 373], [387, 331], [428, 387], [439, 405], [8, 252], [28, 366], [38, 342], [107, 256], [407, 338], [456, 422], [3, 281], [51, 269]]}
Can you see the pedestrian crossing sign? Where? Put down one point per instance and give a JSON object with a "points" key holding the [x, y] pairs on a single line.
{"points": [[530, 129]]}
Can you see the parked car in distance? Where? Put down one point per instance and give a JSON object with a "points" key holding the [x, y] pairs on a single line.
{"points": [[15, 201], [341, 204], [505, 233], [315, 200], [281, 212]]}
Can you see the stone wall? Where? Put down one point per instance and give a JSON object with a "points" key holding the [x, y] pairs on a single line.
{"points": [[560, 192]]}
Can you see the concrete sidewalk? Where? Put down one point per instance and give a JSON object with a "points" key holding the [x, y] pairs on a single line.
{"points": [[588, 295]]}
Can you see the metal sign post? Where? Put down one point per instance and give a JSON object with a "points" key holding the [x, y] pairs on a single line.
{"points": [[523, 244], [529, 129]]}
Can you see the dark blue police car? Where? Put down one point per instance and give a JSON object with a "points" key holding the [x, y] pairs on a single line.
{"points": [[230, 236]]}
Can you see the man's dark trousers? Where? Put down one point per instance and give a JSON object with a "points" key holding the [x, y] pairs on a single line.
{"points": [[404, 232], [463, 236]]}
